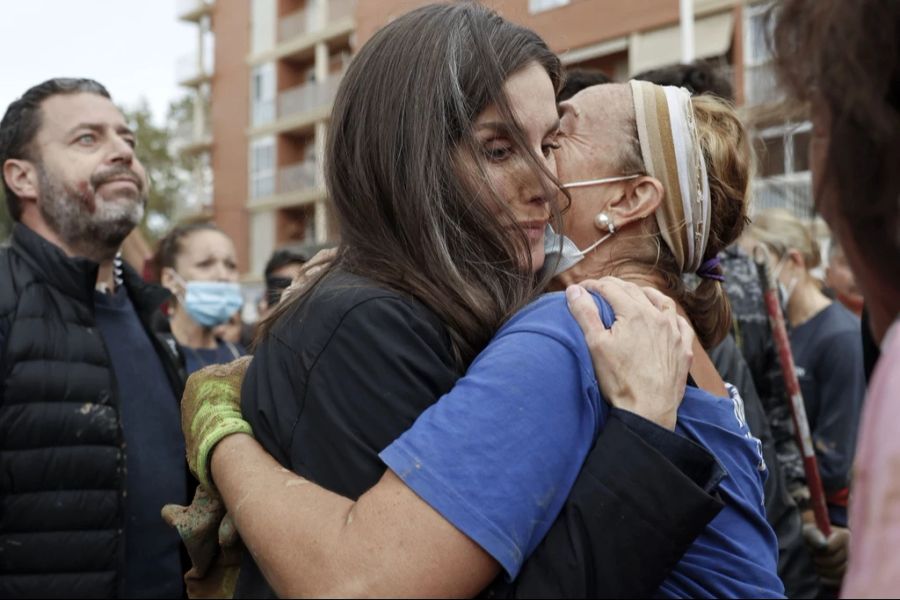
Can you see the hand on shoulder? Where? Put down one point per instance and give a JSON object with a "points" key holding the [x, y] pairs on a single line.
{"points": [[642, 360]]}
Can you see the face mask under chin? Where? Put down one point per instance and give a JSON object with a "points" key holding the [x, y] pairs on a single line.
{"points": [[561, 253]]}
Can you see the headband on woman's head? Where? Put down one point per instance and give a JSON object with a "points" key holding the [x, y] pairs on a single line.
{"points": [[670, 147]]}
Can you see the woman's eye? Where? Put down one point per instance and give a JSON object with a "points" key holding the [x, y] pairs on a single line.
{"points": [[549, 148], [498, 152]]}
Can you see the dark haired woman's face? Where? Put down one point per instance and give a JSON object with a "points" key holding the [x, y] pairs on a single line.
{"points": [[533, 102]]}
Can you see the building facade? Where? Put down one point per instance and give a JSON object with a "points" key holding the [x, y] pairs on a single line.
{"points": [[261, 112]]}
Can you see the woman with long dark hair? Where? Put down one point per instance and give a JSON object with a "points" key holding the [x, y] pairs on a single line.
{"points": [[440, 164]]}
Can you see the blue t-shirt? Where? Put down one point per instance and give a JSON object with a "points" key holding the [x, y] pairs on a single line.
{"points": [[154, 450], [498, 455], [197, 358]]}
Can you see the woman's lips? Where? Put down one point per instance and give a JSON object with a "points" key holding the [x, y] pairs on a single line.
{"points": [[534, 230]]}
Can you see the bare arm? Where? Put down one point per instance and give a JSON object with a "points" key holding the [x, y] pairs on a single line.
{"points": [[311, 542]]}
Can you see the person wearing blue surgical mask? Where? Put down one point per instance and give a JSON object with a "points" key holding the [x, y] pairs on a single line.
{"points": [[197, 264]]}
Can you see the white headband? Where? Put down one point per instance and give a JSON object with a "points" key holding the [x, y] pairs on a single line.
{"points": [[670, 148]]}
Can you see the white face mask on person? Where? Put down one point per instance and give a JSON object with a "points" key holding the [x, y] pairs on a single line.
{"points": [[786, 290], [210, 303], [560, 251]]}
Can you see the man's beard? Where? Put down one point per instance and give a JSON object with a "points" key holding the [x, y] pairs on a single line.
{"points": [[86, 223]]}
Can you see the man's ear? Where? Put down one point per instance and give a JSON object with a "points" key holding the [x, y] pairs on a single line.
{"points": [[639, 199], [22, 178]]}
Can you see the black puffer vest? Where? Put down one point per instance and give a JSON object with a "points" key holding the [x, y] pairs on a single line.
{"points": [[62, 454]]}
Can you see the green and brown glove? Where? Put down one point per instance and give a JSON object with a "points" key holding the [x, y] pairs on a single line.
{"points": [[212, 543], [210, 412]]}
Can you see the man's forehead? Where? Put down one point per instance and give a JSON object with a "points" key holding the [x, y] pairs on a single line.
{"points": [[61, 112]]}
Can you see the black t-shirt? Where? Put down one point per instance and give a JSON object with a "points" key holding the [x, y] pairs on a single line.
{"points": [[338, 379]]}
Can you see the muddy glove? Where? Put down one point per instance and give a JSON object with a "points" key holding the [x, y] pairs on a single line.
{"points": [[212, 543], [829, 555], [211, 411]]}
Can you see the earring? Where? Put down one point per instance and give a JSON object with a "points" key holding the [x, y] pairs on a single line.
{"points": [[602, 220]]}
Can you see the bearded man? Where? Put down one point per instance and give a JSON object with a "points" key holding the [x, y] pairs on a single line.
{"points": [[90, 439]]}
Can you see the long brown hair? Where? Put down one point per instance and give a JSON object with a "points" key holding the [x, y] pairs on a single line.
{"points": [[409, 217]]}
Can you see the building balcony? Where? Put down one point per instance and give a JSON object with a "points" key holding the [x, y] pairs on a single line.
{"points": [[193, 139], [297, 177], [193, 10], [297, 109], [307, 21], [300, 31], [295, 185], [191, 72]]}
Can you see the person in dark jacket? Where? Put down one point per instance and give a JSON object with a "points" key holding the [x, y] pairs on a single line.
{"points": [[90, 442]]}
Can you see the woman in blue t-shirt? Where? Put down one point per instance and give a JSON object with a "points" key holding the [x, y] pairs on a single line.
{"points": [[197, 263], [476, 483]]}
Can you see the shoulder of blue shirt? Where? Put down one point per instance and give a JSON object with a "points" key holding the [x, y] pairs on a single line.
{"points": [[549, 315]]}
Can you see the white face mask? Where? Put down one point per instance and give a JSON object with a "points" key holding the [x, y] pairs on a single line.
{"points": [[786, 290], [566, 255]]}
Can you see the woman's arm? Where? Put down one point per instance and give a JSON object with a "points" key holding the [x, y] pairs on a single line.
{"points": [[311, 542], [388, 543]]}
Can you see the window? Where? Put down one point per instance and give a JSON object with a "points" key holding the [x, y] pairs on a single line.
{"points": [[536, 6], [262, 94], [784, 180], [758, 28], [262, 167]]}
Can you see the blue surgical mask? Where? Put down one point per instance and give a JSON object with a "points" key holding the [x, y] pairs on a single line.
{"points": [[211, 303], [563, 257]]}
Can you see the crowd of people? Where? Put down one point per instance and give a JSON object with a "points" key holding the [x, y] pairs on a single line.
{"points": [[538, 363]]}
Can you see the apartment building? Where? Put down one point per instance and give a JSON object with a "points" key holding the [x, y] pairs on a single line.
{"points": [[194, 136], [261, 112]]}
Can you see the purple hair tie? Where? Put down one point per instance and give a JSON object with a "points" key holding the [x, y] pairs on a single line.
{"points": [[710, 270]]}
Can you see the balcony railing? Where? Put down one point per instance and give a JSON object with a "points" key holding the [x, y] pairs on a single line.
{"points": [[792, 192], [308, 96], [307, 20], [294, 24], [297, 177], [187, 134], [188, 69]]}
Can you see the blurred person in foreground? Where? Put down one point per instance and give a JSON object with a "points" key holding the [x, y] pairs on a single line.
{"points": [[840, 280], [197, 263], [750, 341], [90, 441], [843, 58]]}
